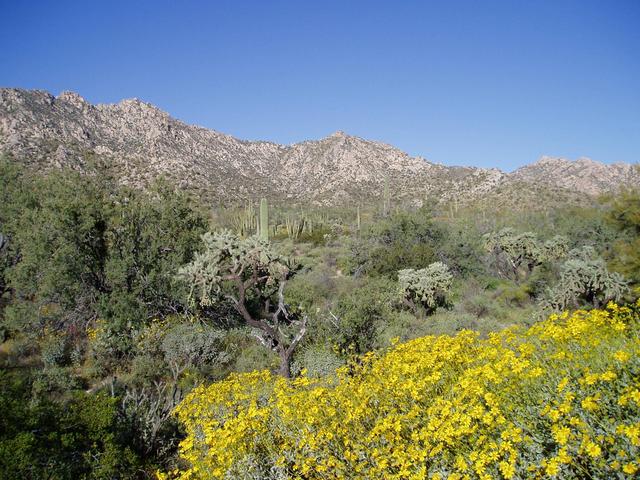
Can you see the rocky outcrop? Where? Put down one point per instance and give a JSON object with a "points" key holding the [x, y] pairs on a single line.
{"points": [[582, 175], [139, 142]]}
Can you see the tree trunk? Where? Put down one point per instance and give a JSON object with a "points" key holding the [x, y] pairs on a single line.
{"points": [[285, 362]]}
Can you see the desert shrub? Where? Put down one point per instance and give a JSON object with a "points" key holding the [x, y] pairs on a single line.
{"points": [[561, 398], [403, 240], [145, 370], [53, 350], [311, 289], [513, 295], [624, 217], [149, 236], [59, 240], [82, 437], [192, 344], [319, 235], [54, 381], [461, 248], [82, 248], [109, 346], [147, 414], [251, 356], [402, 325], [317, 361], [360, 314], [479, 306]]}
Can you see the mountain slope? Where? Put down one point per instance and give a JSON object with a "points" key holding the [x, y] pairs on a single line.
{"points": [[139, 142], [583, 175]]}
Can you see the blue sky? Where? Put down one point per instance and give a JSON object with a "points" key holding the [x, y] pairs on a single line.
{"points": [[491, 83]]}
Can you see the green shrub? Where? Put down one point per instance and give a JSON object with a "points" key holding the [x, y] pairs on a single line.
{"points": [[317, 361]]}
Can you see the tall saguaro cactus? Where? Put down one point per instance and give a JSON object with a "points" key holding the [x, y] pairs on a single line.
{"points": [[264, 219]]}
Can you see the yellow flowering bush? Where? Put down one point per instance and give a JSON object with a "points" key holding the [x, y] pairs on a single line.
{"points": [[559, 399]]}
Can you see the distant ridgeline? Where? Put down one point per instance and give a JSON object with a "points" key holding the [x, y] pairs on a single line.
{"points": [[137, 142]]}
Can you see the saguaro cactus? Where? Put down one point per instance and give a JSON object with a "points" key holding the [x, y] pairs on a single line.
{"points": [[264, 219]]}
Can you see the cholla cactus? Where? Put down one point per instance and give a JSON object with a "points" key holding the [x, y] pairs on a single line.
{"points": [[523, 251], [227, 257], [427, 287], [554, 249], [585, 281], [251, 276]]}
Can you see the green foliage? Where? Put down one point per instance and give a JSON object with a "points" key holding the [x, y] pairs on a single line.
{"points": [[403, 240], [53, 350], [427, 286], [89, 250], [14, 196], [624, 216], [54, 382], [313, 289], [359, 315], [386, 197], [317, 361], [90, 300], [149, 237], [60, 240], [252, 356], [192, 344], [414, 239], [461, 249], [81, 438]]}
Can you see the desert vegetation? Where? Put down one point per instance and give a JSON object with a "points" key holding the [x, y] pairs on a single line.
{"points": [[147, 333]]}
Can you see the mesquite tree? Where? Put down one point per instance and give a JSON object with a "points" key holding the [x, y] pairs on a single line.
{"points": [[427, 287], [250, 275]]}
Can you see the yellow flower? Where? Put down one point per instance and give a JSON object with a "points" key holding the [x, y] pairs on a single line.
{"points": [[563, 456], [562, 385], [622, 356], [593, 450], [552, 468], [562, 435], [589, 403], [458, 404]]}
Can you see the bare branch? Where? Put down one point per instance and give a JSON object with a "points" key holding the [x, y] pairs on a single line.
{"points": [[335, 319], [298, 337]]}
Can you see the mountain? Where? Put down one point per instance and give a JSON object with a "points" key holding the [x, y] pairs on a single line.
{"points": [[138, 142], [583, 175]]}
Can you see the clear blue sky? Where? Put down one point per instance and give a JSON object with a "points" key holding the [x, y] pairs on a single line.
{"points": [[487, 83]]}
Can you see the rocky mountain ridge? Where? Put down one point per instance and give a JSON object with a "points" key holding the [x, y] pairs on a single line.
{"points": [[140, 142]]}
